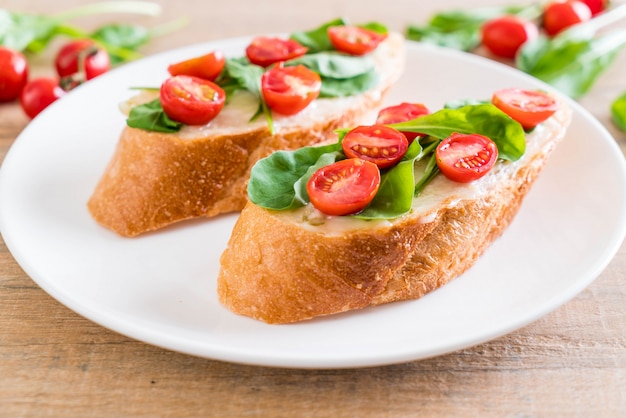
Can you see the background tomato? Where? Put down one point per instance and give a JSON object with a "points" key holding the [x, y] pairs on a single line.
{"points": [[191, 100], [265, 51], [345, 187], [354, 40], [208, 66], [503, 36], [13, 74], [401, 113], [39, 94], [288, 90], [596, 6], [379, 144], [527, 107], [95, 59], [560, 15], [465, 158]]}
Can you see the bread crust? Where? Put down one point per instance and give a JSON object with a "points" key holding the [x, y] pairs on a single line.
{"points": [[155, 179], [278, 271]]}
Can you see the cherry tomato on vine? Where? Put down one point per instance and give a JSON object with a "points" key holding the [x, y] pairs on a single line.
{"points": [[208, 66], [345, 187], [401, 113], [13, 74], [95, 60], [265, 51], [466, 157], [191, 100], [561, 14], [379, 144], [288, 90], [39, 94], [596, 6], [354, 40], [503, 36], [528, 107]]}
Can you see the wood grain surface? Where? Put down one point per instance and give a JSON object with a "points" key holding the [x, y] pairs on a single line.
{"points": [[55, 363]]}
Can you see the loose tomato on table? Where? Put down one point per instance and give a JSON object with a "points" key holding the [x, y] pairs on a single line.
{"points": [[82, 54], [345, 187], [528, 107], [466, 157], [596, 6], [191, 100], [503, 36], [401, 113], [561, 14], [288, 90], [379, 144], [39, 94], [208, 66], [354, 40], [13, 74], [265, 51]]}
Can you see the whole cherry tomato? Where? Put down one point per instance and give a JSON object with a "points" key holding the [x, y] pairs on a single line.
{"points": [[265, 51], [401, 113], [465, 158], [345, 187], [94, 59], [503, 36], [561, 14], [13, 74], [528, 107], [208, 66], [596, 6], [379, 144], [354, 40], [191, 100], [39, 94], [288, 90]]}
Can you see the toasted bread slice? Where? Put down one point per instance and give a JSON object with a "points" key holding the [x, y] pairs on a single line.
{"points": [[156, 179], [280, 268]]}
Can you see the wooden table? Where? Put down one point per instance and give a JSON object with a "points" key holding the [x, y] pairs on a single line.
{"points": [[54, 362]]}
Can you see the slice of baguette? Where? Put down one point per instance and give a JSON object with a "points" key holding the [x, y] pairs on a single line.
{"points": [[287, 266], [156, 179]]}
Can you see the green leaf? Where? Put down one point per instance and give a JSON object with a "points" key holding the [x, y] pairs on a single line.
{"points": [[18, 31], [273, 179], [484, 119], [335, 65], [151, 117], [349, 87], [317, 39], [463, 39], [618, 112]]}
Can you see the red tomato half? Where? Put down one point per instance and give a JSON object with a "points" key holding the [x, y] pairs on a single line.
{"points": [[379, 144], [528, 107], [345, 187], [562, 14], [95, 59], [288, 90], [13, 74], [465, 158], [266, 51], [503, 36], [39, 94], [354, 40], [207, 66], [402, 113], [191, 100]]}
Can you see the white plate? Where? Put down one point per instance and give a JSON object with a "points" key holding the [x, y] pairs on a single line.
{"points": [[160, 288]]}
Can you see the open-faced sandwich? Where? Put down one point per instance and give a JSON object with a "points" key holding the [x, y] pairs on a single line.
{"points": [[189, 146], [390, 211]]}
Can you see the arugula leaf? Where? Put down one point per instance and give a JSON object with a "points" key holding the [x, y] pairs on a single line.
{"points": [[335, 65], [349, 87], [618, 112], [150, 116], [317, 39], [18, 31]]}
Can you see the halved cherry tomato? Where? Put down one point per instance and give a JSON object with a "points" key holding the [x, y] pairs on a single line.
{"points": [[528, 107], [596, 6], [561, 14], [94, 59], [207, 66], [345, 187], [265, 51], [402, 113], [354, 40], [191, 100], [13, 74], [503, 36], [379, 144], [465, 158], [288, 90], [39, 94]]}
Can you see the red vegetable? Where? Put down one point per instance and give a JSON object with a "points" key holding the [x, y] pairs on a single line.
{"points": [[13, 74]]}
